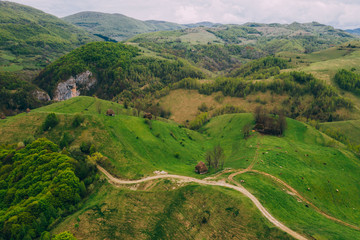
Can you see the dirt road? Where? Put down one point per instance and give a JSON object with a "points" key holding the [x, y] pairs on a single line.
{"points": [[238, 188]]}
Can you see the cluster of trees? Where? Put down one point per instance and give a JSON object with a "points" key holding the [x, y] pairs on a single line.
{"points": [[348, 81], [325, 99], [273, 124], [16, 95], [117, 69], [199, 121], [38, 186], [215, 158], [213, 57], [261, 68]]}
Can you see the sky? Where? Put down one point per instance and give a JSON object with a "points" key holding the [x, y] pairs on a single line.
{"points": [[342, 14]]}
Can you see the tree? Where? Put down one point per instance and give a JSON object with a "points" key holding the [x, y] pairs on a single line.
{"points": [[215, 158], [64, 236], [246, 130], [50, 122]]}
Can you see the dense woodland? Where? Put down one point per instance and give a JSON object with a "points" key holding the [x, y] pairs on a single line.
{"points": [[38, 186], [348, 81], [16, 95], [116, 67]]}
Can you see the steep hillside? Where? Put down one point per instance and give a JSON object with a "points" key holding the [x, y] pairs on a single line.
{"points": [[16, 94], [325, 64], [310, 162], [117, 26], [30, 38], [107, 69]]}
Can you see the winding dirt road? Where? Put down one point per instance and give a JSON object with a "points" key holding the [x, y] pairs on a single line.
{"points": [[238, 188]]}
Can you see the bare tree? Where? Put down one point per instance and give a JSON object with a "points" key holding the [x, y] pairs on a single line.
{"points": [[208, 158], [215, 158]]}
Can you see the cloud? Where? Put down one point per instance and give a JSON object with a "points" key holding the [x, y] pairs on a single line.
{"points": [[338, 13]]}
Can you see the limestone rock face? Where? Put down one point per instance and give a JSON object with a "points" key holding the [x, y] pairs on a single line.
{"points": [[73, 86], [41, 95]]}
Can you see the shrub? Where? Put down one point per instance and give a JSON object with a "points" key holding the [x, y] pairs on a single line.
{"points": [[66, 139], [203, 107], [200, 120], [50, 122], [78, 119], [85, 147]]}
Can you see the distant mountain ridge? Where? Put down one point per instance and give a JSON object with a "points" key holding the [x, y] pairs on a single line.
{"points": [[353, 31], [118, 26], [31, 38]]}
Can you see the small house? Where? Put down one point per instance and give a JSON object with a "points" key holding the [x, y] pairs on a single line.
{"points": [[110, 112], [148, 116], [27, 110], [201, 168]]}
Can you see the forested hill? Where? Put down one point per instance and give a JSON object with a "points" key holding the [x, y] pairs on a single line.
{"points": [[225, 46], [117, 26], [115, 67], [30, 38]]}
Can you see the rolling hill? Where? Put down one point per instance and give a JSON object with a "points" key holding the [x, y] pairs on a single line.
{"points": [[30, 38], [307, 160], [227, 46], [117, 26], [354, 31]]}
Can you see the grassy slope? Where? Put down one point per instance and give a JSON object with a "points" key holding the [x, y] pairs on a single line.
{"points": [[350, 128], [169, 211], [135, 149], [31, 38], [324, 170], [183, 104]]}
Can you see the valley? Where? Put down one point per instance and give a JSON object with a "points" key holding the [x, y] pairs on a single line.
{"points": [[104, 119]]}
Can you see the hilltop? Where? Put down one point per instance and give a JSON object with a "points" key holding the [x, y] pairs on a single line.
{"points": [[30, 38], [117, 26]]}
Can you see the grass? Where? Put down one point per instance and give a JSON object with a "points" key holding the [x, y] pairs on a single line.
{"points": [[311, 162], [351, 129], [294, 213], [183, 104], [169, 211], [134, 148]]}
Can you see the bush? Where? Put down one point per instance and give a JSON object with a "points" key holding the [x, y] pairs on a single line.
{"points": [[50, 122], [78, 119], [85, 147], [200, 120], [203, 107], [66, 139], [64, 236]]}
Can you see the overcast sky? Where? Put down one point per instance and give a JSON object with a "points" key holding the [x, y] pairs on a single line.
{"points": [[338, 13]]}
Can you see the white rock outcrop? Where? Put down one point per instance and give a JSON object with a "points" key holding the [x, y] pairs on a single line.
{"points": [[73, 86], [41, 95]]}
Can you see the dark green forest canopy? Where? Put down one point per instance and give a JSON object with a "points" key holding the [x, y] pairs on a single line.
{"points": [[117, 67], [348, 81], [16, 94], [38, 184]]}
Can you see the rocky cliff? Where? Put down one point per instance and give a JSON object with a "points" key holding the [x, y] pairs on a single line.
{"points": [[41, 95], [74, 86]]}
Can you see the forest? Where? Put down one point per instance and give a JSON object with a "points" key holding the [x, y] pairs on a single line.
{"points": [[39, 185]]}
